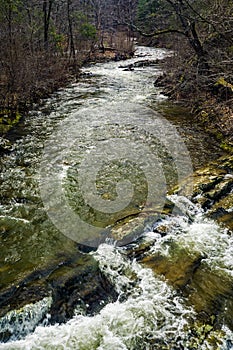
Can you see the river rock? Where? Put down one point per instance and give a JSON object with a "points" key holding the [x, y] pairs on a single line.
{"points": [[212, 189], [5, 146], [138, 64], [178, 269], [76, 283], [208, 290]]}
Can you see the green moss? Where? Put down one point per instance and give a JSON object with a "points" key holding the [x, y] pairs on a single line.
{"points": [[205, 332], [222, 82], [227, 146], [230, 49], [223, 142], [8, 119]]}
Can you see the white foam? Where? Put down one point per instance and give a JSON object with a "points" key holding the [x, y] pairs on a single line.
{"points": [[23, 321], [149, 311], [201, 235], [14, 219]]}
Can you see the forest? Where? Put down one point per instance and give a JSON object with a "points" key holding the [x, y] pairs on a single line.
{"points": [[45, 42]]}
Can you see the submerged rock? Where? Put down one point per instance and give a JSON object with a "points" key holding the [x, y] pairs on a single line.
{"points": [[75, 285], [184, 249]]}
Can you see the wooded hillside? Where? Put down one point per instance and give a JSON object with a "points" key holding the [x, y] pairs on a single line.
{"points": [[201, 71], [44, 42]]}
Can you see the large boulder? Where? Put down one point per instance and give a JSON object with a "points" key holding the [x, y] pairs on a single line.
{"points": [[76, 283]]}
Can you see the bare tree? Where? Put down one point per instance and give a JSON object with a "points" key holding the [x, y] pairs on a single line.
{"points": [[47, 10]]}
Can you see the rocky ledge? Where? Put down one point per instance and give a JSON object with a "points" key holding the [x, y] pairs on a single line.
{"points": [[209, 290], [76, 283], [213, 190]]}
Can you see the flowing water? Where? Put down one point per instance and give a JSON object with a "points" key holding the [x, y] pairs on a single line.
{"points": [[115, 129]]}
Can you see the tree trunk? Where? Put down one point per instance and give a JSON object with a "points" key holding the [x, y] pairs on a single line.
{"points": [[203, 65], [71, 36], [47, 8]]}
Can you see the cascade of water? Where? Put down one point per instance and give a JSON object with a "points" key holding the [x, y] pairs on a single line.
{"points": [[149, 313]]}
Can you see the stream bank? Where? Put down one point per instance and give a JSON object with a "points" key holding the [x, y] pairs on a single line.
{"points": [[208, 99], [77, 284], [59, 75], [158, 290]]}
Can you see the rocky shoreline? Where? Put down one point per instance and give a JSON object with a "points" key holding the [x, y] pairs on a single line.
{"points": [[212, 109], [213, 190], [77, 282]]}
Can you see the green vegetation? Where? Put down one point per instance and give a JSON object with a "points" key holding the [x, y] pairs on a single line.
{"points": [[8, 119]]}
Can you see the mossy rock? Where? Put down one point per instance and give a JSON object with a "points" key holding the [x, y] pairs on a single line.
{"points": [[178, 269], [212, 187], [206, 290], [73, 283], [227, 146], [8, 119]]}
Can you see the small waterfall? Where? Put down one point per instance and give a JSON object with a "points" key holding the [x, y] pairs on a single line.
{"points": [[19, 323], [161, 302], [149, 314], [148, 310]]}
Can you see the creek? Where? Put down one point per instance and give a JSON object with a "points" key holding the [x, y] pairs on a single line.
{"points": [[85, 182]]}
